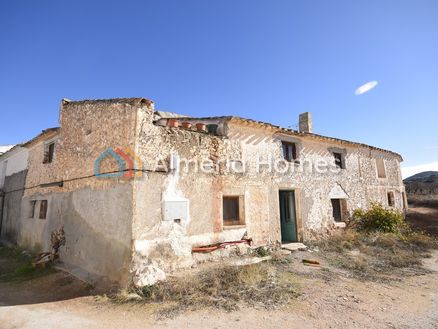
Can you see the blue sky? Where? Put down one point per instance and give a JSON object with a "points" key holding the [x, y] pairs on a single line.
{"points": [[267, 60]]}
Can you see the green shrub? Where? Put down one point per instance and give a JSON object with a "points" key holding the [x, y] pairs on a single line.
{"points": [[261, 252], [379, 219]]}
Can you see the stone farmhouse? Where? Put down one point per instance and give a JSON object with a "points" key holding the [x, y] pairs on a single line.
{"points": [[140, 191]]}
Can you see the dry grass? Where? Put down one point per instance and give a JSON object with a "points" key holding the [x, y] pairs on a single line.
{"points": [[366, 255], [262, 284], [377, 255]]}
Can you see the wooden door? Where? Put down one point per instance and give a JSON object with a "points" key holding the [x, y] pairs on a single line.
{"points": [[288, 216]]}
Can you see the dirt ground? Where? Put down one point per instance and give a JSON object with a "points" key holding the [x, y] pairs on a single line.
{"points": [[424, 216], [329, 298]]}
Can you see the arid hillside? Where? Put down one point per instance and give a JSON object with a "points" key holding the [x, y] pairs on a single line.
{"points": [[422, 187]]}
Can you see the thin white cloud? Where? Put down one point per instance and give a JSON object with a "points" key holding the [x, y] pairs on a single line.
{"points": [[4, 148], [412, 170], [366, 87]]}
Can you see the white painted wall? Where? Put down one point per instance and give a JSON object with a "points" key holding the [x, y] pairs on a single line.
{"points": [[3, 166], [12, 162]]}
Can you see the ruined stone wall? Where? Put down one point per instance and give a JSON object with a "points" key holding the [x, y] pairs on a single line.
{"points": [[164, 245], [96, 212], [39, 172], [88, 128]]}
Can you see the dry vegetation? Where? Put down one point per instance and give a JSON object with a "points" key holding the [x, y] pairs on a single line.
{"points": [[379, 245], [377, 255], [272, 284], [263, 284]]}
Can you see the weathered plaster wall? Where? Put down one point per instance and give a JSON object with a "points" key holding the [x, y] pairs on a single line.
{"points": [[96, 212], [12, 162], [110, 223], [162, 246], [359, 180], [17, 161], [97, 225], [11, 215]]}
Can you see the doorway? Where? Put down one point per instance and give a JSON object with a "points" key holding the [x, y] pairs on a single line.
{"points": [[288, 216]]}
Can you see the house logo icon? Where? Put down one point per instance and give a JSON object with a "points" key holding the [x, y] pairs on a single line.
{"points": [[129, 165]]}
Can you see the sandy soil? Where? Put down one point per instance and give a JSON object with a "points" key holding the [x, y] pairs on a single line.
{"points": [[329, 298]]}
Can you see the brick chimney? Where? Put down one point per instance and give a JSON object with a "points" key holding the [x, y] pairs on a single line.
{"points": [[305, 124]]}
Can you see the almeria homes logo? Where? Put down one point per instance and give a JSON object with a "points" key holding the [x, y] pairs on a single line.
{"points": [[281, 163], [129, 164]]}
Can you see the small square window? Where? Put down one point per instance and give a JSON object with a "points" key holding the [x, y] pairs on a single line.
{"points": [[232, 211], [43, 209], [32, 205], [339, 160], [289, 151]]}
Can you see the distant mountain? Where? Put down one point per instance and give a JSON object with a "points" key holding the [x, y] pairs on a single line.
{"points": [[422, 187], [423, 177]]}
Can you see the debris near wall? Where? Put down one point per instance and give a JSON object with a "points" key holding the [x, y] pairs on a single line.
{"points": [[57, 239], [222, 245]]}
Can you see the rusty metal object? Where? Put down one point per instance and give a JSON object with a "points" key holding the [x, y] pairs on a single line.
{"points": [[217, 246], [311, 262]]}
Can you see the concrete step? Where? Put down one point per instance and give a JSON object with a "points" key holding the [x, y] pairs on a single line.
{"points": [[294, 246]]}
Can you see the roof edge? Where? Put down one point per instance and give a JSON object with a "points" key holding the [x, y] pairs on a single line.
{"points": [[43, 133], [129, 100], [313, 135], [289, 131]]}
